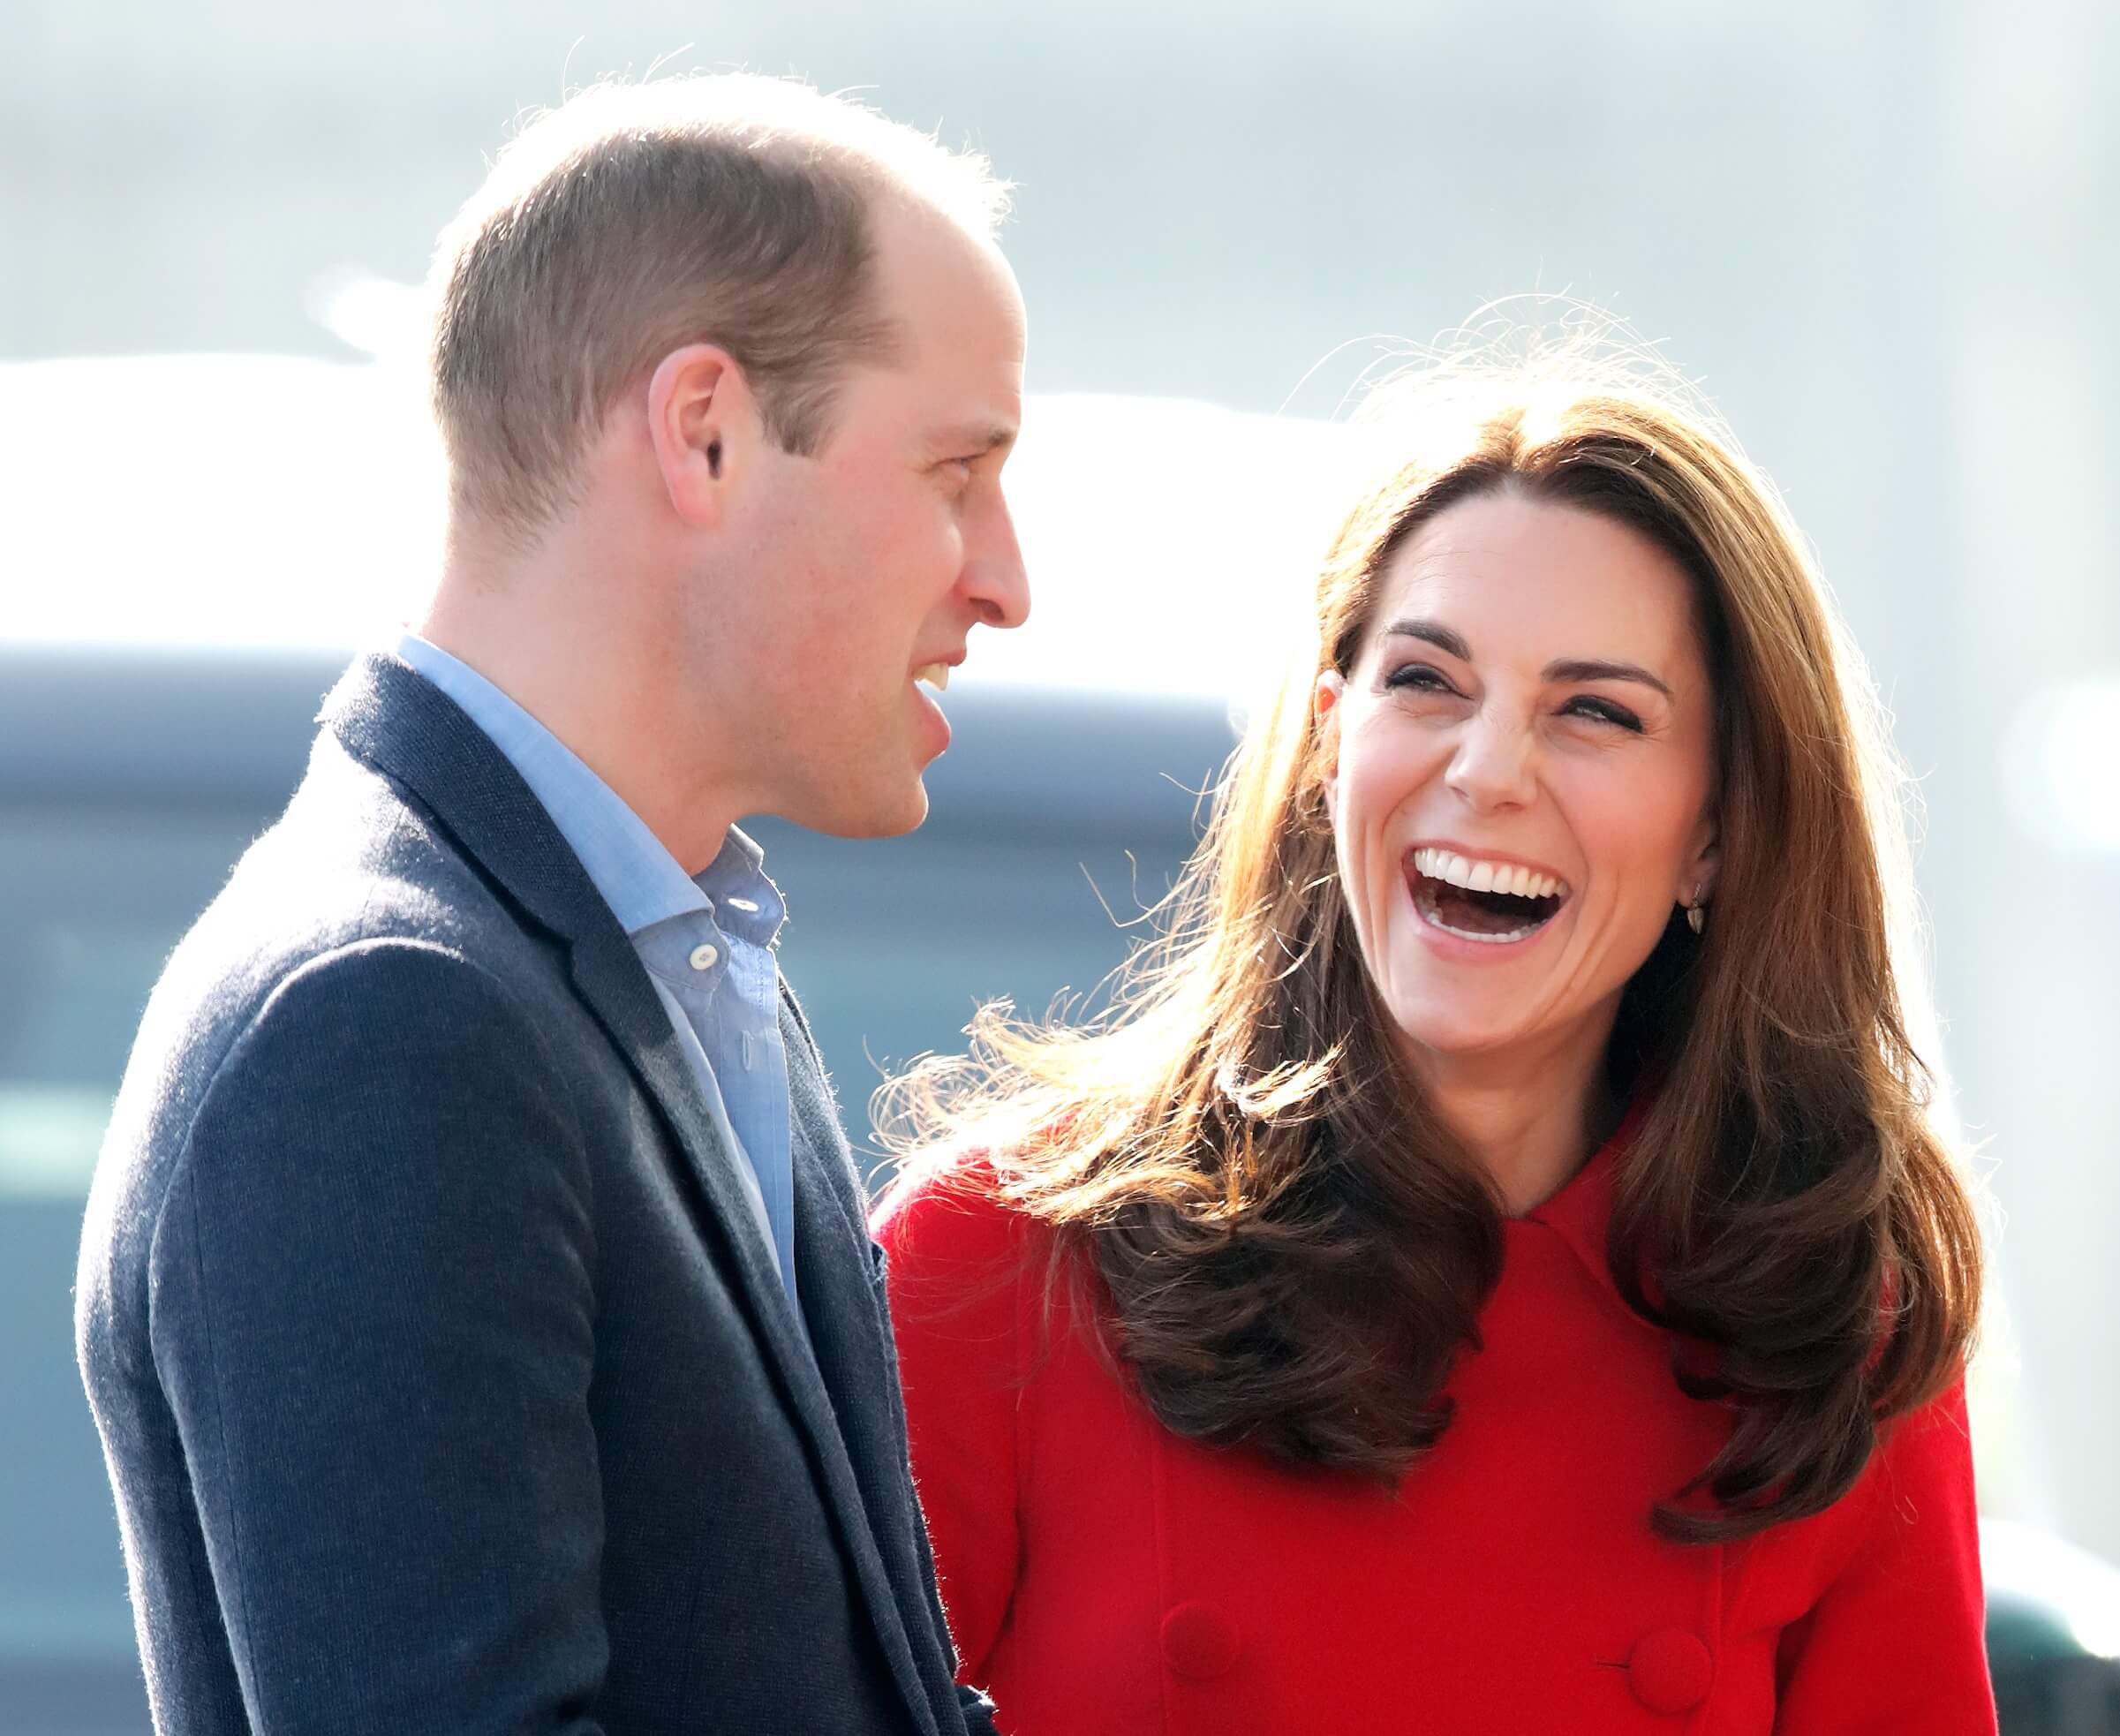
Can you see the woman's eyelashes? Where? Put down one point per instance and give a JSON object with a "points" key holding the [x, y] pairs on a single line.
{"points": [[1604, 711], [1425, 678], [1418, 678]]}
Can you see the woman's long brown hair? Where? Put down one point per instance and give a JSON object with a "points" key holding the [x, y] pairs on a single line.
{"points": [[1291, 1247]]}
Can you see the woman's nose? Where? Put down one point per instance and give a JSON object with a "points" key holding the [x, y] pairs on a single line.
{"points": [[1492, 767]]}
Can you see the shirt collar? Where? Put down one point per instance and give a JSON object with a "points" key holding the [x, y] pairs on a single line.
{"points": [[743, 900], [639, 878]]}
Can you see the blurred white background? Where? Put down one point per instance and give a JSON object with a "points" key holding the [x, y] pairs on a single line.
{"points": [[1881, 238]]}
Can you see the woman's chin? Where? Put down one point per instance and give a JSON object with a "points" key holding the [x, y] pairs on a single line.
{"points": [[1443, 1026], [1451, 1033]]}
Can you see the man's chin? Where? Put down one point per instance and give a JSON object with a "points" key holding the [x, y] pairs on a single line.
{"points": [[887, 815]]}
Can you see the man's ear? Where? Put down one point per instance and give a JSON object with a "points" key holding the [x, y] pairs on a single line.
{"points": [[702, 424], [1325, 695]]}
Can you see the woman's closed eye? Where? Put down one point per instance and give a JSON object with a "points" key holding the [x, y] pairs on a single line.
{"points": [[1418, 678], [1600, 710], [1426, 679]]}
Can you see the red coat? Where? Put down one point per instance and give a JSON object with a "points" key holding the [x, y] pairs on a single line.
{"points": [[1106, 1578]]}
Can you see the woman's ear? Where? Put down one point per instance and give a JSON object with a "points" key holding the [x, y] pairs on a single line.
{"points": [[1325, 695], [1703, 861]]}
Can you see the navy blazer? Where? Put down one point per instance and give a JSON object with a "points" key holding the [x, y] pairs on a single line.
{"points": [[445, 1382]]}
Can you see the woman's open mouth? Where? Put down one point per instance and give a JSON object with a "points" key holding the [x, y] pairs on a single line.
{"points": [[1476, 899]]}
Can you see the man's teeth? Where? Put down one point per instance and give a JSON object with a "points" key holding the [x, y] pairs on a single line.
{"points": [[1475, 876], [935, 674]]}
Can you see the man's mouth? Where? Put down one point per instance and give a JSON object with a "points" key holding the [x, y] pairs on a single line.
{"points": [[935, 674], [1478, 899]]}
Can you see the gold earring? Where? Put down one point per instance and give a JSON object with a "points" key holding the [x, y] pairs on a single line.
{"points": [[1696, 913]]}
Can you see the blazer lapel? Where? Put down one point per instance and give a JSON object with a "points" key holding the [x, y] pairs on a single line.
{"points": [[390, 716], [846, 1335], [608, 975]]}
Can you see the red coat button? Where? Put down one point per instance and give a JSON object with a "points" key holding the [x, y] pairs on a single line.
{"points": [[1199, 1641], [1670, 1671]]}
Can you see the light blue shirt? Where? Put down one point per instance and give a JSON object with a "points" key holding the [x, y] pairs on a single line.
{"points": [[706, 943]]}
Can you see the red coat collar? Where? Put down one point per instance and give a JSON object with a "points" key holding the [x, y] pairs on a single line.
{"points": [[1581, 1212]]}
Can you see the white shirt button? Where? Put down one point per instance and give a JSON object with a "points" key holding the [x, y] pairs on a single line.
{"points": [[705, 958], [748, 906]]}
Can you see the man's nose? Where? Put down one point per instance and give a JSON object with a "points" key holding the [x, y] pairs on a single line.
{"points": [[994, 578], [1492, 767]]}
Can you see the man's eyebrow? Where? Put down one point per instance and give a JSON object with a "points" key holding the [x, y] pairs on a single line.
{"points": [[1567, 669], [976, 437], [1582, 668]]}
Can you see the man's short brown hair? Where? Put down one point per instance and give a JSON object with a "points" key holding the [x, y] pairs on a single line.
{"points": [[636, 218]]}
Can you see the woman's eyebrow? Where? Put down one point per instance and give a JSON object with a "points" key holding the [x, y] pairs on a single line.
{"points": [[1582, 668], [1566, 669], [1435, 633]]}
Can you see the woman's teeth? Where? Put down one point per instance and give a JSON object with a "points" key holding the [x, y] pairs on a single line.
{"points": [[1475, 876], [935, 674], [1436, 921], [1495, 902]]}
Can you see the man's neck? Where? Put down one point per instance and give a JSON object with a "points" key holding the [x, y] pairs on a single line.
{"points": [[600, 696]]}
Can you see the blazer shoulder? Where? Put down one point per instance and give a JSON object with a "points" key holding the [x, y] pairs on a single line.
{"points": [[353, 856], [375, 1019], [350, 866], [420, 980], [377, 1067]]}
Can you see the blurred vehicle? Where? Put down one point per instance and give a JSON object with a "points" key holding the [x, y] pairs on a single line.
{"points": [[2052, 1632], [158, 682]]}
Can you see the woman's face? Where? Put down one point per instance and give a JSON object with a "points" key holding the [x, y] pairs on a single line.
{"points": [[1523, 781]]}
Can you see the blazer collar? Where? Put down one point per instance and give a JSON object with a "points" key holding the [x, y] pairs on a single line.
{"points": [[390, 715]]}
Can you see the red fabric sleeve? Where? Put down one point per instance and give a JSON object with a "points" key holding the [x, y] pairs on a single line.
{"points": [[955, 1260], [1897, 1642]]}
